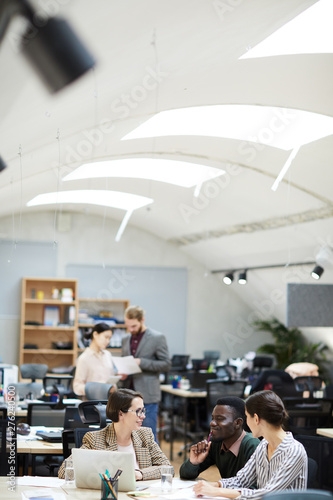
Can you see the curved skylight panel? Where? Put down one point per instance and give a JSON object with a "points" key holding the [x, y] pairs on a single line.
{"points": [[308, 33], [282, 128], [115, 199], [179, 173]]}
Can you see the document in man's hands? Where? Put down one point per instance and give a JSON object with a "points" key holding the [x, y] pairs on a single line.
{"points": [[126, 365]]}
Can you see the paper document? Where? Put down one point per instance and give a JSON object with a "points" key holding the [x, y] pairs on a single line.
{"points": [[126, 365], [114, 379], [51, 482]]}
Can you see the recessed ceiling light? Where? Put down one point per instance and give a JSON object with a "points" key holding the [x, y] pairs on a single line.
{"points": [[308, 33], [282, 128], [179, 173]]}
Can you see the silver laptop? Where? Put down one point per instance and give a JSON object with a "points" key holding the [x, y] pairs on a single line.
{"points": [[88, 464]]}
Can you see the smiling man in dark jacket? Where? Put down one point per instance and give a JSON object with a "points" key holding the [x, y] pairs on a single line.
{"points": [[229, 447]]}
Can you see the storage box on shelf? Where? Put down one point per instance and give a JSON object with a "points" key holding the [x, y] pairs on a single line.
{"points": [[110, 311], [49, 321]]}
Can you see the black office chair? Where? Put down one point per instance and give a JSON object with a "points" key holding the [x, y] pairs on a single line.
{"points": [[45, 414], [72, 422], [79, 433], [278, 381], [320, 449], [8, 450], [218, 389], [179, 362], [298, 495], [97, 391], [93, 412], [211, 357], [312, 474], [308, 384]]}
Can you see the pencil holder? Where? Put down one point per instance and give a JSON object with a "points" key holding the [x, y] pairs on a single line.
{"points": [[109, 491]]}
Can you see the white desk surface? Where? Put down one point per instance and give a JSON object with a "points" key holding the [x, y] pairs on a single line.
{"points": [[34, 445], [325, 432], [72, 493], [182, 392]]}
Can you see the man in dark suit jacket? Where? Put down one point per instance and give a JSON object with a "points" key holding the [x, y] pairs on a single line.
{"points": [[150, 350]]}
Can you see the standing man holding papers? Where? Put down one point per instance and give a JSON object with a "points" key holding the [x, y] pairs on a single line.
{"points": [[151, 353]]}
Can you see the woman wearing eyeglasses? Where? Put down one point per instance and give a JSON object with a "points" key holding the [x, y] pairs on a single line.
{"points": [[125, 433]]}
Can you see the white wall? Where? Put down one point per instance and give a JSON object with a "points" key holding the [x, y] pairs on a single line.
{"points": [[219, 317]]}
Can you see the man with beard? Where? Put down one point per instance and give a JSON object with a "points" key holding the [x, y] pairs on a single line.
{"points": [[229, 446], [150, 350]]}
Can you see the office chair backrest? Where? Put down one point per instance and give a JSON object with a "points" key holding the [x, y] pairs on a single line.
{"points": [[97, 391], [320, 449], [93, 412], [278, 381], [45, 414], [308, 383], [28, 389], [298, 495], [33, 371], [263, 361], [179, 362], [79, 434], [200, 364], [211, 356], [219, 388], [8, 450], [312, 473]]}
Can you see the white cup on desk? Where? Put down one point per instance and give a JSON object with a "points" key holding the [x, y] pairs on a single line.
{"points": [[69, 472], [166, 478]]}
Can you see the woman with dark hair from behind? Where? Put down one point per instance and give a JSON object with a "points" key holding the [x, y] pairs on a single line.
{"points": [[95, 364], [278, 463], [125, 433]]}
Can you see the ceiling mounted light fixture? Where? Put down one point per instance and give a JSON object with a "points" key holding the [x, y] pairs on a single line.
{"points": [[317, 272], [2, 164], [228, 279], [242, 278], [50, 45]]}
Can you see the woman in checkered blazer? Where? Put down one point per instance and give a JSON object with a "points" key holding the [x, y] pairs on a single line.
{"points": [[125, 433]]}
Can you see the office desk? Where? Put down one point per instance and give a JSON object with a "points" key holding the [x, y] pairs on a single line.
{"points": [[70, 493], [325, 432], [32, 446], [186, 395]]}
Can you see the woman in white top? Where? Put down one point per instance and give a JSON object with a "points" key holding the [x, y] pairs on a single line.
{"points": [[95, 364], [278, 463]]}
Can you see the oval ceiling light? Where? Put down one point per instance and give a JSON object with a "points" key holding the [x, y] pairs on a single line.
{"points": [[178, 173], [282, 128], [114, 199], [228, 279]]}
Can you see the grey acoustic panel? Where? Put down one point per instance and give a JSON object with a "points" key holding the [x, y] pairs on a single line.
{"points": [[309, 305], [19, 260], [161, 291]]}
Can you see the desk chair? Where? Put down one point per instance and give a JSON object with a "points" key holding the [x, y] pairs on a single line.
{"points": [[97, 391], [93, 412], [45, 414], [72, 422], [59, 384], [278, 381], [33, 371], [320, 449], [8, 451], [48, 415], [26, 390], [298, 495], [308, 383], [307, 414]]}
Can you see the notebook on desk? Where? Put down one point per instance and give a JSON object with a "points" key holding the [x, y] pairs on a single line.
{"points": [[89, 464]]}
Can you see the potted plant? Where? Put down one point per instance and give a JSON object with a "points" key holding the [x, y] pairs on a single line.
{"points": [[290, 345]]}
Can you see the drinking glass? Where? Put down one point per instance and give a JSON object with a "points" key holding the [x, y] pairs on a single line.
{"points": [[69, 472], [166, 478]]}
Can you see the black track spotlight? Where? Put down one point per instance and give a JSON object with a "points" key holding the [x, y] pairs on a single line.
{"points": [[317, 272], [228, 279], [2, 165], [242, 279]]}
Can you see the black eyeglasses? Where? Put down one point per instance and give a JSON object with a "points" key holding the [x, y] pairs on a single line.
{"points": [[139, 412]]}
